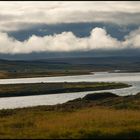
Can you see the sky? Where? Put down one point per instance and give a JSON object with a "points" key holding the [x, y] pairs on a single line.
{"points": [[41, 29]]}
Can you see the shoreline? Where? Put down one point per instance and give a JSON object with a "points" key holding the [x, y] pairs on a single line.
{"points": [[101, 99], [8, 75]]}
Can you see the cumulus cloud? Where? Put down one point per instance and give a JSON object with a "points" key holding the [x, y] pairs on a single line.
{"points": [[68, 42], [23, 15], [133, 39], [99, 39]]}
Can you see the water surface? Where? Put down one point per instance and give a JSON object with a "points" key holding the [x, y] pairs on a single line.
{"points": [[19, 102]]}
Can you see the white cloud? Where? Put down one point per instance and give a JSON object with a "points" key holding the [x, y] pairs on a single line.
{"points": [[68, 42], [21, 15], [133, 39], [100, 39]]}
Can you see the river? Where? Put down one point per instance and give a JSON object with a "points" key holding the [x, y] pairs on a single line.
{"points": [[27, 101]]}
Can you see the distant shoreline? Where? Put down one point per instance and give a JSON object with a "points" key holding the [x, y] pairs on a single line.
{"points": [[16, 75]]}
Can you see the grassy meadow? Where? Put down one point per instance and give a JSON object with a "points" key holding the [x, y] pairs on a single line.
{"points": [[81, 118]]}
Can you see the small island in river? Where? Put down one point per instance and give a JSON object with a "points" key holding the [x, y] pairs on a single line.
{"points": [[12, 90]]}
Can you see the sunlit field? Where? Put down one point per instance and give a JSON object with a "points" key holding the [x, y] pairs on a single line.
{"points": [[85, 118], [93, 122]]}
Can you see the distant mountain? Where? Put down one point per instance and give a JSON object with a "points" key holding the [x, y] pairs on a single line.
{"points": [[91, 63]]}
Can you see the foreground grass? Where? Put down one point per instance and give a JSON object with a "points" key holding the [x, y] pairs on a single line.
{"points": [[55, 88], [81, 118], [93, 122]]}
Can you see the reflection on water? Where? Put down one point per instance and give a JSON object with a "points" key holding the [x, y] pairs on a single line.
{"points": [[15, 102]]}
